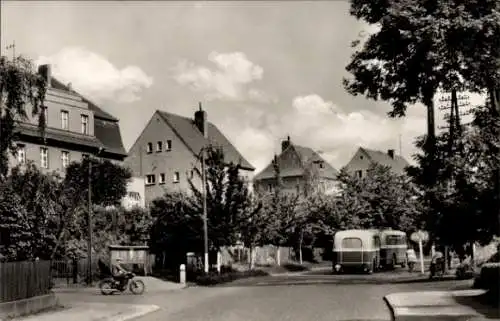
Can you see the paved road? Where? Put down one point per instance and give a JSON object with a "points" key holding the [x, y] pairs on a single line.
{"points": [[278, 300]]}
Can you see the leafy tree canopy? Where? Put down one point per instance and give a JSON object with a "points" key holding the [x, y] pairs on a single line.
{"points": [[108, 181], [20, 85]]}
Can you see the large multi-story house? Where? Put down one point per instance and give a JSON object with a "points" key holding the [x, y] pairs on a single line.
{"points": [[169, 149], [75, 127], [297, 165], [364, 157]]}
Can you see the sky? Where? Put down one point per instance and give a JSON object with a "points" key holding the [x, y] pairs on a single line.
{"points": [[263, 70]]}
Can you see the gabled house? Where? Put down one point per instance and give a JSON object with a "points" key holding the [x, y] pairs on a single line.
{"points": [[75, 128], [168, 150], [297, 165], [364, 157]]}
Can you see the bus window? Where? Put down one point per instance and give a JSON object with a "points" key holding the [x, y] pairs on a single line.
{"points": [[396, 240], [352, 243]]}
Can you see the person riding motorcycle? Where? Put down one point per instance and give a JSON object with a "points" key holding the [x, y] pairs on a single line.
{"points": [[119, 273]]}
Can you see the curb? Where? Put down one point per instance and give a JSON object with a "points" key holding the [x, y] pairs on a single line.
{"points": [[143, 310]]}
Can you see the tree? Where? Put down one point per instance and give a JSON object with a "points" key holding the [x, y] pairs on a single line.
{"points": [[176, 229], [423, 46], [462, 207], [381, 199], [227, 198], [33, 222], [19, 86], [108, 181]]}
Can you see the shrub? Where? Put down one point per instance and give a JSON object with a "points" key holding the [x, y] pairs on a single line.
{"points": [[213, 278]]}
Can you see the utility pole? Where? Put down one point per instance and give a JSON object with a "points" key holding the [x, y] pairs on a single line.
{"points": [[204, 192]]}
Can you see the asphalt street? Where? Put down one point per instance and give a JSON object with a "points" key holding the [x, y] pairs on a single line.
{"points": [[257, 300]]}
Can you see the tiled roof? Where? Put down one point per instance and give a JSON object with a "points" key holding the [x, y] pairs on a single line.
{"points": [[60, 135], [194, 140], [398, 163], [306, 156], [106, 126]]}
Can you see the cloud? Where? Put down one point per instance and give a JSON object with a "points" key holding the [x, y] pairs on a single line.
{"points": [[229, 80], [93, 75], [325, 127]]}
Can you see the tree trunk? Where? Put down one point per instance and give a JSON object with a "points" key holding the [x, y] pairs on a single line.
{"points": [[495, 111]]}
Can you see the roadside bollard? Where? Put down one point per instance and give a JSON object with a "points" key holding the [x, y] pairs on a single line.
{"points": [[183, 274], [218, 262]]}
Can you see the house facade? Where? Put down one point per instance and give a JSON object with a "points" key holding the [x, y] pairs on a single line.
{"points": [[363, 158], [297, 165], [167, 152], [75, 128]]}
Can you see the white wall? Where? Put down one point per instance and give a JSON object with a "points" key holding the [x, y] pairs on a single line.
{"points": [[135, 193]]}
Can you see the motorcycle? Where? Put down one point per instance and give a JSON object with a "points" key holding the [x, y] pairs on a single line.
{"points": [[110, 285]]}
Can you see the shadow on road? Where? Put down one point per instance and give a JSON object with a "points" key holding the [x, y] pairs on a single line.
{"points": [[485, 304], [449, 284]]}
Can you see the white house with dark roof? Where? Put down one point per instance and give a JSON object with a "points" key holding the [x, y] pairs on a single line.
{"points": [[364, 157], [168, 150], [296, 165]]}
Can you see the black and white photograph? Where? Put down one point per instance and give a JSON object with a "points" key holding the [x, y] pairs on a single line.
{"points": [[225, 160]]}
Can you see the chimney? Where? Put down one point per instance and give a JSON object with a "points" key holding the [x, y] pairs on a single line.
{"points": [[46, 72], [390, 152], [285, 144], [200, 120]]}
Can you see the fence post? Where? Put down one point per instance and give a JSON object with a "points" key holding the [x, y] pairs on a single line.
{"points": [[183, 274]]}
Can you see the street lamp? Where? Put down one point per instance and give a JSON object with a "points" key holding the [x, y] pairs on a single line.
{"points": [[89, 219]]}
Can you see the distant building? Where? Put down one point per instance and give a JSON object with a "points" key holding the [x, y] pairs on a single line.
{"points": [[135, 194], [297, 164], [363, 158], [168, 150], [75, 127]]}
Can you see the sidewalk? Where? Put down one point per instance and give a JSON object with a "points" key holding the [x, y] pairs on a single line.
{"points": [[94, 312], [437, 305]]}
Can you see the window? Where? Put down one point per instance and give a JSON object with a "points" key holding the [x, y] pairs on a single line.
{"points": [[44, 157], [64, 119], [361, 157], [162, 178], [320, 165], [191, 174], [159, 147], [64, 159], [169, 145], [269, 187], [85, 124], [176, 177], [150, 179], [352, 243], [134, 195], [149, 148], [359, 174], [21, 154]]}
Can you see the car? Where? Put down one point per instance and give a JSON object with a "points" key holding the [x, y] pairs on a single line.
{"points": [[487, 273]]}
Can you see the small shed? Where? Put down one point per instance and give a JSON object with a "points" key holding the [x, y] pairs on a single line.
{"points": [[131, 255]]}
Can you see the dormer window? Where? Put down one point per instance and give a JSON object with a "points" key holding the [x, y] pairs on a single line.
{"points": [[149, 148], [159, 146], [168, 145]]}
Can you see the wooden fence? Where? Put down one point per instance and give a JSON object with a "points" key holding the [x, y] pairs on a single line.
{"points": [[22, 280]]}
